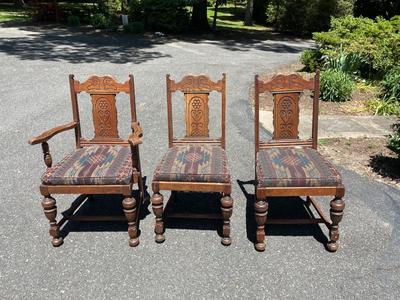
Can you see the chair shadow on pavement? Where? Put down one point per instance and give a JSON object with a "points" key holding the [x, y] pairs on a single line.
{"points": [[193, 203], [281, 208], [104, 205]]}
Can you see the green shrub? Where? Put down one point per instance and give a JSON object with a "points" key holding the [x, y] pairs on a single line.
{"points": [[376, 41], [100, 21], [336, 86], [347, 63], [166, 15], [394, 140], [311, 59], [109, 7], [134, 27], [344, 8], [73, 21], [306, 16], [391, 85]]}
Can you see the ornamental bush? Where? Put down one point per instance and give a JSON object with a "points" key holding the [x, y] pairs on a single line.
{"points": [[166, 15], [391, 85], [336, 86], [394, 140], [73, 20], [376, 41], [134, 27], [100, 21], [306, 16], [311, 59]]}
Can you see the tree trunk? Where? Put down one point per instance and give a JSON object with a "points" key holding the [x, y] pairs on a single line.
{"points": [[214, 25], [19, 3], [260, 11], [199, 15], [248, 18], [56, 11]]}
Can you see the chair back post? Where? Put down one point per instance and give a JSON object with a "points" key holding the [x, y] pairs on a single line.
{"points": [[169, 111], [223, 110], [75, 111], [315, 110], [256, 115], [132, 98]]}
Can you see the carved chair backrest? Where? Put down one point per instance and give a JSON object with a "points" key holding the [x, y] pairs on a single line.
{"points": [[286, 91], [196, 90], [103, 91]]}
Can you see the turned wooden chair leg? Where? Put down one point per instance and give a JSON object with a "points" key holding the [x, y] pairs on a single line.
{"points": [[261, 211], [50, 211], [141, 188], [226, 210], [157, 205], [336, 212], [130, 210]]}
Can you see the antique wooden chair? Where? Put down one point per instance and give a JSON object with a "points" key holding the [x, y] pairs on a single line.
{"points": [[195, 163], [105, 164], [288, 166]]}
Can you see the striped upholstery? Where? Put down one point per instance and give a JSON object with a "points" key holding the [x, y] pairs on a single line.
{"points": [[92, 165], [294, 167], [203, 163]]}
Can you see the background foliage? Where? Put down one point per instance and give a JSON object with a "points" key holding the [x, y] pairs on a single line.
{"points": [[306, 16], [376, 41], [336, 86]]}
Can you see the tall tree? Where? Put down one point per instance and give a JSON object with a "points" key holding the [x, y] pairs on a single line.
{"points": [[199, 15], [214, 25], [260, 11], [248, 18], [19, 3]]}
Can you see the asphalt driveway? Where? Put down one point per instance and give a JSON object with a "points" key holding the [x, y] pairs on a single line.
{"points": [[95, 260]]}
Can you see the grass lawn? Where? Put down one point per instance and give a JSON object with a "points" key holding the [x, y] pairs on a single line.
{"points": [[10, 13], [229, 17]]}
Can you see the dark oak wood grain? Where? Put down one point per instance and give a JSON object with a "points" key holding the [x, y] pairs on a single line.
{"points": [[195, 89], [47, 135], [286, 90], [103, 91]]}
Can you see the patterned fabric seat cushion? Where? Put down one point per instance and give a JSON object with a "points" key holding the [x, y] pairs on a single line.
{"points": [[100, 164], [195, 163], [294, 167]]}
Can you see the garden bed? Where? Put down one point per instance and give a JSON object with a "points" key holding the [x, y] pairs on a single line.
{"points": [[365, 156]]}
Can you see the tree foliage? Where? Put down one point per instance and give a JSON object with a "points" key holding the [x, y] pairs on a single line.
{"points": [[377, 42], [374, 8], [306, 16]]}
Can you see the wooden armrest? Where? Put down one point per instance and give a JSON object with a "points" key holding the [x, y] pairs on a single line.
{"points": [[136, 137], [45, 136]]}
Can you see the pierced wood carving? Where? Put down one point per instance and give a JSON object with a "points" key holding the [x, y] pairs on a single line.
{"points": [[286, 116], [104, 116], [197, 118], [101, 85], [200, 83], [286, 83]]}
